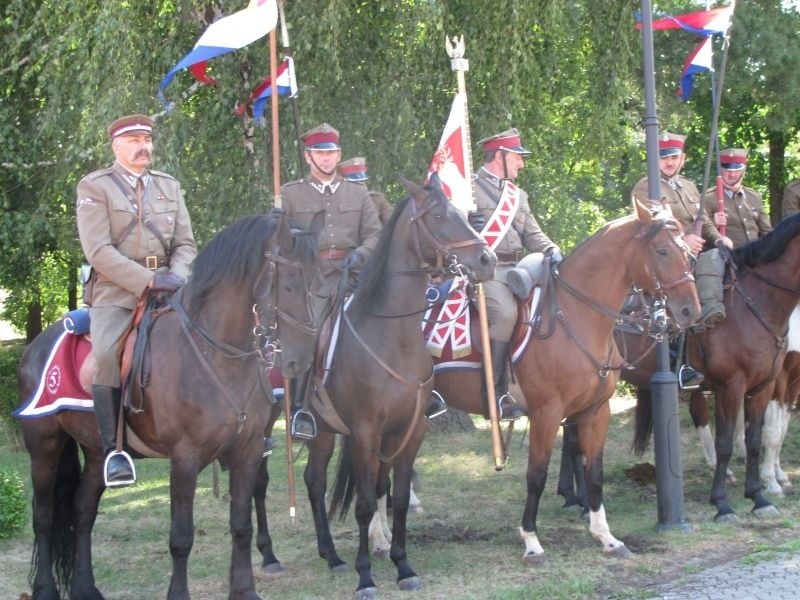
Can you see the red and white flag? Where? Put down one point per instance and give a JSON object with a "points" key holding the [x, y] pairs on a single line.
{"points": [[451, 160]]}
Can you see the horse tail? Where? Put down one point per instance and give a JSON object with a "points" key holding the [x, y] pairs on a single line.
{"points": [[344, 486], [644, 421], [68, 477]]}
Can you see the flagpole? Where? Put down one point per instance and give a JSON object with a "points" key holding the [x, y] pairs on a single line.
{"points": [[716, 101], [292, 99], [455, 50]]}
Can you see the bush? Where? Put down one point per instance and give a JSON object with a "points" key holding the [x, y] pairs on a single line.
{"points": [[10, 354], [12, 504]]}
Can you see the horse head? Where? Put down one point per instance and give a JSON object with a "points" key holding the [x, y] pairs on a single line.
{"points": [[443, 235], [286, 296], [662, 267]]}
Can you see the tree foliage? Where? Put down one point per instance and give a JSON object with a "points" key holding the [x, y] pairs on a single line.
{"points": [[567, 74]]}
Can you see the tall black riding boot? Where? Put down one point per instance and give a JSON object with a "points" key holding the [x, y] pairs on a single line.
{"points": [[507, 407], [688, 377], [118, 467], [303, 424]]}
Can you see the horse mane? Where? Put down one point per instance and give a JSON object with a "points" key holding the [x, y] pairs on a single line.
{"points": [[771, 246], [372, 278], [235, 255], [659, 222]]}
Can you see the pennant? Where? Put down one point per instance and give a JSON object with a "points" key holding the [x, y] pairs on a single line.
{"points": [[700, 60], [286, 84], [223, 36], [704, 22], [451, 157]]}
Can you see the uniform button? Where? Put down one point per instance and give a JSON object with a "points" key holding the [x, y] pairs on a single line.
{"points": [[331, 235]]}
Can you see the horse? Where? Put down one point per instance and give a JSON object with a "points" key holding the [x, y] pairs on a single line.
{"points": [[381, 375], [572, 370], [743, 355], [246, 301]]}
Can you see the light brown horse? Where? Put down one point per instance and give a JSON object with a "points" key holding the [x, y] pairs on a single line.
{"points": [[573, 371]]}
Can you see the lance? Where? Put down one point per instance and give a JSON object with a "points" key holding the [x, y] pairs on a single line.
{"points": [[455, 50], [713, 138]]}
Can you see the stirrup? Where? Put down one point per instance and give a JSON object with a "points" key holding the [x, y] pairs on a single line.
{"points": [[689, 378], [126, 478], [512, 411], [304, 426], [436, 406], [268, 447]]}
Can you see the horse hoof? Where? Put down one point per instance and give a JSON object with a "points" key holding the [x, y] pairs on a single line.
{"points": [[774, 490], [619, 552], [410, 584], [271, 570], [417, 510], [340, 567], [533, 558], [369, 593], [766, 512], [727, 518], [381, 553]]}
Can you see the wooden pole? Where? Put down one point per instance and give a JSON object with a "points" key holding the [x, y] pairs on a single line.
{"points": [[276, 145], [287, 410]]}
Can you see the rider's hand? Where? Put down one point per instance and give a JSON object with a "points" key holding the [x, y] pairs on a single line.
{"points": [[555, 256], [353, 260], [720, 219], [166, 283], [695, 243]]}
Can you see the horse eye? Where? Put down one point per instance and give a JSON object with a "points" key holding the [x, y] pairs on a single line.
{"points": [[662, 252]]}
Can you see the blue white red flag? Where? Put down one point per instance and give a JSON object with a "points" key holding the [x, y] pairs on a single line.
{"points": [[700, 60], [451, 157], [225, 35], [286, 84], [703, 22]]}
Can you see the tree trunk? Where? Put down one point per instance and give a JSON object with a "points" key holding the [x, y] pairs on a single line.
{"points": [[33, 326], [777, 175]]}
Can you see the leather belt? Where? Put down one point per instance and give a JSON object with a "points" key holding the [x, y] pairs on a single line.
{"points": [[333, 254], [509, 256], [152, 262]]}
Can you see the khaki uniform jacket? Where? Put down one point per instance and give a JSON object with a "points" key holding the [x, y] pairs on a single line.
{"points": [[382, 205], [524, 233], [351, 221], [747, 220], [683, 200], [104, 212], [791, 199]]}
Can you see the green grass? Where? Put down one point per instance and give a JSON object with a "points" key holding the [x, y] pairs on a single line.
{"points": [[465, 545]]}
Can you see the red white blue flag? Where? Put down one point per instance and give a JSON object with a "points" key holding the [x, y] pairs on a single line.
{"points": [[700, 60], [703, 22], [451, 158], [225, 35], [286, 84]]}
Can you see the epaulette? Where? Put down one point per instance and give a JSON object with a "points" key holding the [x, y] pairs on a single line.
{"points": [[162, 174], [295, 182], [95, 174]]}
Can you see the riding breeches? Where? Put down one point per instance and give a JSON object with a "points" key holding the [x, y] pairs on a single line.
{"points": [[501, 310], [108, 326]]}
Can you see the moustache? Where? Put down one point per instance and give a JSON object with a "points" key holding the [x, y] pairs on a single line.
{"points": [[144, 153]]}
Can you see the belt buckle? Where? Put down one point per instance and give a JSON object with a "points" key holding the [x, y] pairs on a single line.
{"points": [[151, 262]]}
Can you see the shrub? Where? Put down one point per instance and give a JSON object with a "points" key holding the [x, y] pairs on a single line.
{"points": [[10, 354], [12, 504]]}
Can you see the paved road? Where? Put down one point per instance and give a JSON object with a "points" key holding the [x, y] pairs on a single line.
{"points": [[776, 578]]}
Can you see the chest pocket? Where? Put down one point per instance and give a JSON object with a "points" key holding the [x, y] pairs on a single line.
{"points": [[349, 207]]}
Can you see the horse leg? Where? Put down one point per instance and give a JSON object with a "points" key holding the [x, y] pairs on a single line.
{"points": [[243, 474], [770, 443], [780, 475], [87, 500], [739, 444], [698, 409], [320, 451], [365, 475], [182, 487], [727, 402], [592, 434], [754, 416], [542, 436], [571, 480], [270, 565]]}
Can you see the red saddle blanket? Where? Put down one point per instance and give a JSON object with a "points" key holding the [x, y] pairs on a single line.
{"points": [[60, 385]]}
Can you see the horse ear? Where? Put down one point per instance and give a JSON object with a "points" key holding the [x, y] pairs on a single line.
{"points": [[317, 225], [644, 214], [411, 187]]}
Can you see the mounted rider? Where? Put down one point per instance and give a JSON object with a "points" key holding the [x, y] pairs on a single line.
{"points": [[504, 210]]}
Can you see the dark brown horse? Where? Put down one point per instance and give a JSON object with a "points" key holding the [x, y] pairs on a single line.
{"points": [[573, 371], [208, 399], [742, 356], [381, 375]]}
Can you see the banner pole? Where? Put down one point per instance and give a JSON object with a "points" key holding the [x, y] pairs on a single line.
{"points": [[276, 146], [455, 50]]}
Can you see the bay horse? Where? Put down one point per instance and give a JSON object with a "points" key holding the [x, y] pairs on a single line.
{"points": [[208, 399], [743, 355], [572, 371], [381, 376]]}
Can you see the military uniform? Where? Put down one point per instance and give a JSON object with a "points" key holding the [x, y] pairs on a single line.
{"points": [[682, 198], [524, 234], [355, 170], [747, 220], [382, 206], [791, 199]]}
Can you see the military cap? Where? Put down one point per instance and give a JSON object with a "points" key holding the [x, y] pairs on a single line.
{"points": [[670, 144], [509, 141], [322, 137], [733, 159], [354, 169], [130, 124]]}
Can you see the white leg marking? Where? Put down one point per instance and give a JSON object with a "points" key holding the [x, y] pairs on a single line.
{"points": [[379, 540], [532, 545], [598, 527], [770, 442], [707, 444], [739, 447], [414, 503]]}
